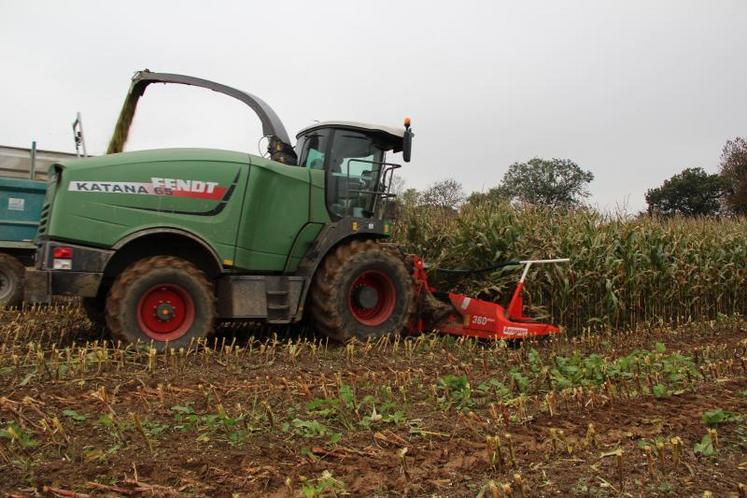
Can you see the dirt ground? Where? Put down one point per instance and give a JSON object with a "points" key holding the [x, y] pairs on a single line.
{"points": [[655, 412]]}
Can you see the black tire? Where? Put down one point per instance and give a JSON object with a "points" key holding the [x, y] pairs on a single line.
{"points": [[12, 276], [337, 307], [143, 284], [95, 310]]}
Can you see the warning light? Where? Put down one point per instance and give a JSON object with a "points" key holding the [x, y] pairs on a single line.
{"points": [[62, 258]]}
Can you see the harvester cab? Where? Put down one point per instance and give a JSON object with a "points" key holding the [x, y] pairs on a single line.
{"points": [[352, 157]]}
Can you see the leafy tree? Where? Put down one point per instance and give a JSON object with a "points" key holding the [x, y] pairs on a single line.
{"points": [[553, 183], [693, 192], [495, 194], [734, 172], [410, 197], [445, 194]]}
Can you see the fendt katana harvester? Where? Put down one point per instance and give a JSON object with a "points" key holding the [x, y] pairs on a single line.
{"points": [[161, 244]]}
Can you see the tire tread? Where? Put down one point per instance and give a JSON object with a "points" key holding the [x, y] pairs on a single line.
{"points": [[11, 265], [137, 270], [325, 292]]}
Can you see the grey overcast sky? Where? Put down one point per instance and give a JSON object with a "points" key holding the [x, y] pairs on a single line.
{"points": [[633, 90]]}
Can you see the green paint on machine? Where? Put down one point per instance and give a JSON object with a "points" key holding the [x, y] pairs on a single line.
{"points": [[248, 209], [166, 241]]}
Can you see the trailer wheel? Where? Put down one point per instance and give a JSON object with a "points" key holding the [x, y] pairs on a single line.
{"points": [[12, 275], [162, 299], [361, 291]]}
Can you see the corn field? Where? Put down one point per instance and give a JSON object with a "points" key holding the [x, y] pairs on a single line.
{"points": [[624, 272]]}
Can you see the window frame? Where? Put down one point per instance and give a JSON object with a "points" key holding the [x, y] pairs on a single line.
{"points": [[303, 153]]}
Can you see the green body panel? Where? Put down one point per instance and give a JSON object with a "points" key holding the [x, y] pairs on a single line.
{"points": [[250, 210], [318, 209], [304, 240], [276, 209]]}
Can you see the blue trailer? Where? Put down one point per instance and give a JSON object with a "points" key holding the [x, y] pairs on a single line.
{"points": [[23, 185], [20, 209]]}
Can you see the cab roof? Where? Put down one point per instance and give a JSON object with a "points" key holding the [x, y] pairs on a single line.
{"points": [[390, 133]]}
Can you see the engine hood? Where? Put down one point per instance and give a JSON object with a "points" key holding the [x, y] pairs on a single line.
{"points": [[155, 156]]}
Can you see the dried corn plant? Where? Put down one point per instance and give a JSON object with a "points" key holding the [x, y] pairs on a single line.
{"points": [[624, 272]]}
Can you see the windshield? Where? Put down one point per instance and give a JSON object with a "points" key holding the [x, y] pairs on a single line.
{"points": [[353, 174]]}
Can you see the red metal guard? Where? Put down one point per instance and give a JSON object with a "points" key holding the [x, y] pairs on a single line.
{"points": [[476, 318]]}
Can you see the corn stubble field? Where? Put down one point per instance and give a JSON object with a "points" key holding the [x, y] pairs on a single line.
{"points": [[645, 395]]}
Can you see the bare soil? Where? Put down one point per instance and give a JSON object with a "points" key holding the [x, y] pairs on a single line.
{"points": [[257, 414]]}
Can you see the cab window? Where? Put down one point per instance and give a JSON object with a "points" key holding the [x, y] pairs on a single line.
{"points": [[312, 148]]}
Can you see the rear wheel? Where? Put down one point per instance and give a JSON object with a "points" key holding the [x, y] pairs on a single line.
{"points": [[12, 275], [163, 299], [361, 291]]}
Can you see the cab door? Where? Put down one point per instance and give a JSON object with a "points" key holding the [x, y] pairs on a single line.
{"points": [[312, 150]]}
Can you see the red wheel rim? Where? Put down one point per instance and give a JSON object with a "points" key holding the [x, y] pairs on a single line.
{"points": [[380, 300], [165, 312]]}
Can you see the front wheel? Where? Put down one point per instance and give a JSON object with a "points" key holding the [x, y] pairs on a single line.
{"points": [[162, 299], [361, 291]]}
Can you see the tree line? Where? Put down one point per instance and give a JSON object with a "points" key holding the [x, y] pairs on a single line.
{"points": [[561, 183]]}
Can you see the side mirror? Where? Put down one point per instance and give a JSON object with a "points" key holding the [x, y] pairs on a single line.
{"points": [[407, 141]]}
